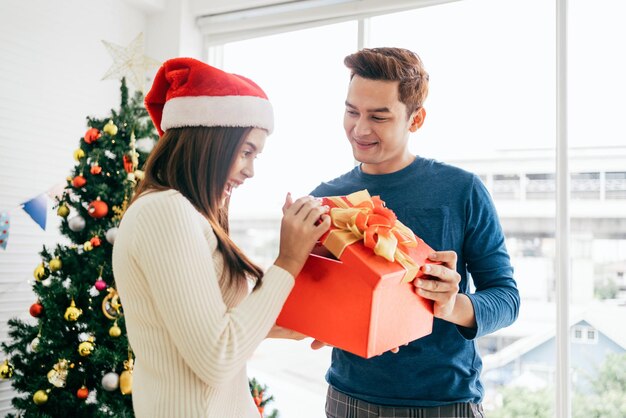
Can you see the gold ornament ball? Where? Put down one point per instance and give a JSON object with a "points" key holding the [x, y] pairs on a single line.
{"points": [[72, 312], [40, 272], [63, 211], [115, 331], [6, 370], [87, 246], [40, 397], [85, 348], [126, 382], [79, 154], [55, 264], [110, 128]]}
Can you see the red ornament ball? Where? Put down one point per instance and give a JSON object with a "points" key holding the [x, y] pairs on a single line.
{"points": [[92, 135], [36, 309], [100, 285], [82, 393], [95, 241], [95, 169], [98, 209], [79, 181]]}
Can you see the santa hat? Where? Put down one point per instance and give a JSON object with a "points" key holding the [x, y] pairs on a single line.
{"points": [[188, 92]]}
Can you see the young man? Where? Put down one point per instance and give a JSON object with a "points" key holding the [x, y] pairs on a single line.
{"points": [[450, 209]]}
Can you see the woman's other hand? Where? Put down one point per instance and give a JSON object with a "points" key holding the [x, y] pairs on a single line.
{"points": [[285, 333], [304, 222]]}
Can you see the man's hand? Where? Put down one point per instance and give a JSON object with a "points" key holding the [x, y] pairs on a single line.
{"points": [[317, 344], [441, 284]]}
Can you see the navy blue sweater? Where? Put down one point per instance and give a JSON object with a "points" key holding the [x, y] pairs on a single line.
{"points": [[450, 209]]}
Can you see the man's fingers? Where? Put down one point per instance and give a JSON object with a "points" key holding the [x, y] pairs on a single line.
{"points": [[317, 344], [448, 258], [436, 286]]}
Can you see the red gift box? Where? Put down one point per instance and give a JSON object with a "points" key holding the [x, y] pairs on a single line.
{"points": [[355, 289]]}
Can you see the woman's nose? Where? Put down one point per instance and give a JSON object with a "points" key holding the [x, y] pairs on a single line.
{"points": [[248, 170]]}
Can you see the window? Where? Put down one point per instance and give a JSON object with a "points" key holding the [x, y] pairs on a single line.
{"points": [[540, 186], [616, 185], [506, 186], [585, 335], [490, 110], [585, 185]]}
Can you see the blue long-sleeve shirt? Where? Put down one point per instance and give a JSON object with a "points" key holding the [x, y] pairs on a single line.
{"points": [[450, 209]]}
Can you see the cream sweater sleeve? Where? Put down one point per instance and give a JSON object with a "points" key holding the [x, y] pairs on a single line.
{"points": [[171, 249]]}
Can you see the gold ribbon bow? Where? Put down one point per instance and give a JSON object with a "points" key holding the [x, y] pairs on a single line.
{"points": [[358, 217]]}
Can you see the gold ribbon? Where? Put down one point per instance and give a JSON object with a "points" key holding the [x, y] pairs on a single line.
{"points": [[359, 216]]}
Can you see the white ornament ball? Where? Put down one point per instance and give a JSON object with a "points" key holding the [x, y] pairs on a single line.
{"points": [[34, 344], [111, 234], [111, 381], [77, 223]]}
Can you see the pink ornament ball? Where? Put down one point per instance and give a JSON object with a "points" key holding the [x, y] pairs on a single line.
{"points": [[100, 285]]}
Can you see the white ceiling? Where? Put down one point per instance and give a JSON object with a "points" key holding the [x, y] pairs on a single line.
{"points": [[211, 7]]}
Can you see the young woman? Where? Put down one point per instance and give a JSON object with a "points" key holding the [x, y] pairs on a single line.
{"points": [[192, 321]]}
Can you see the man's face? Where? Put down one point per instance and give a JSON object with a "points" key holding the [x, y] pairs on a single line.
{"points": [[377, 127]]}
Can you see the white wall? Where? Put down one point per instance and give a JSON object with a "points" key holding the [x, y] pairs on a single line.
{"points": [[51, 65]]}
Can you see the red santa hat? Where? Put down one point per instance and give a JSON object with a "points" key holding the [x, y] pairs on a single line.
{"points": [[188, 92]]}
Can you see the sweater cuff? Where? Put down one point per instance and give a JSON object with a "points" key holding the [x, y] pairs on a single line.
{"points": [[470, 333]]}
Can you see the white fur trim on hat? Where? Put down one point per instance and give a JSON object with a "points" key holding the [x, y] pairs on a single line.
{"points": [[230, 111]]}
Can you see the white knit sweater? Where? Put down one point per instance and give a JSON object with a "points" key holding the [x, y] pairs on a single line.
{"points": [[191, 333]]}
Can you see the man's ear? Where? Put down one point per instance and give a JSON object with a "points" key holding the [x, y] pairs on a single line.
{"points": [[417, 119]]}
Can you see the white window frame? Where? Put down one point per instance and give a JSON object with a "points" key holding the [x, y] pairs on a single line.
{"points": [[218, 29]]}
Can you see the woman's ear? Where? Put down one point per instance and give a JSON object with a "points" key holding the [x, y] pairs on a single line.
{"points": [[417, 119]]}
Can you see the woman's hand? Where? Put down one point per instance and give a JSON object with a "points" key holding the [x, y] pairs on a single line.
{"points": [[304, 222], [280, 332]]}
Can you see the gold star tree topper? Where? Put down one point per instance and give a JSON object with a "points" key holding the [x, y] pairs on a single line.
{"points": [[130, 62]]}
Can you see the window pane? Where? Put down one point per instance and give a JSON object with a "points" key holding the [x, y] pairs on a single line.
{"points": [[598, 206], [491, 110], [303, 75]]}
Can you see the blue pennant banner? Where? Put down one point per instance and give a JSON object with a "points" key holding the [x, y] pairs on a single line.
{"points": [[4, 229], [37, 208]]}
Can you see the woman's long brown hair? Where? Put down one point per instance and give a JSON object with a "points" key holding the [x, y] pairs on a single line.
{"points": [[196, 161]]}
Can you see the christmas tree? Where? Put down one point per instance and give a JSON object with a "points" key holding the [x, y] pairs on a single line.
{"points": [[259, 395], [75, 360]]}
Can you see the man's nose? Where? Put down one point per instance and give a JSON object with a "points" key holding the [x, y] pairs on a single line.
{"points": [[362, 127]]}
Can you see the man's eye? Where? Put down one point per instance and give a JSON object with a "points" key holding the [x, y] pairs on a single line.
{"points": [[379, 119]]}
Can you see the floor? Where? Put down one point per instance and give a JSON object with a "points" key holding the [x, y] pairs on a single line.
{"points": [[294, 375]]}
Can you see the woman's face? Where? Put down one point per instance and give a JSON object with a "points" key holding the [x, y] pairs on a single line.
{"points": [[243, 166]]}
